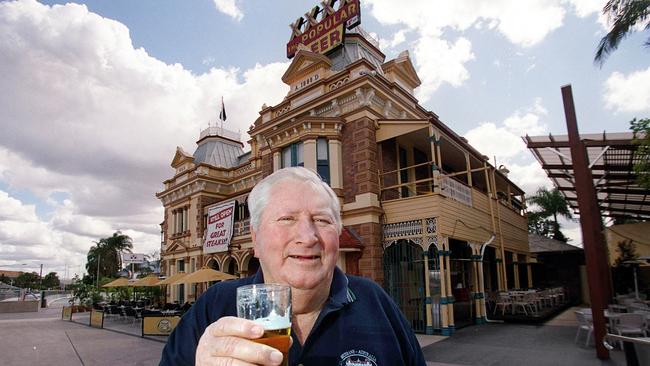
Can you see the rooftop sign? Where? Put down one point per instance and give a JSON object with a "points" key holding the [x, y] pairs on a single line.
{"points": [[324, 35]]}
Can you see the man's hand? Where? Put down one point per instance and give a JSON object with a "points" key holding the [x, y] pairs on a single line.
{"points": [[228, 342]]}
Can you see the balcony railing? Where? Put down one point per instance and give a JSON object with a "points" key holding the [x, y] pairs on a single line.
{"points": [[455, 190]]}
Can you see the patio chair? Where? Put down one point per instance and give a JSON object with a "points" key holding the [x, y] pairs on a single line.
{"points": [[559, 293], [613, 308], [634, 306], [521, 300], [503, 301], [630, 324], [114, 311], [130, 312], [585, 323], [545, 298], [534, 300]]}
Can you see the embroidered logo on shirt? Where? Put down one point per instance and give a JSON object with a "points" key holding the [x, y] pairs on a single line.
{"points": [[359, 357]]}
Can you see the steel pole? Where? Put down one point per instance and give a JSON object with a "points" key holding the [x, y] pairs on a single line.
{"points": [[99, 257]]}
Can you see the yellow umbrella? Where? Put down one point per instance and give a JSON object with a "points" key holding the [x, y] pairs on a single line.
{"points": [[173, 278], [205, 275], [120, 282], [149, 281]]}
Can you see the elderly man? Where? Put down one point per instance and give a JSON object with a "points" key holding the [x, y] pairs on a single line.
{"points": [[336, 319]]}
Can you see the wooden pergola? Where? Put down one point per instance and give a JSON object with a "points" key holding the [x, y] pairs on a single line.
{"points": [[595, 173]]}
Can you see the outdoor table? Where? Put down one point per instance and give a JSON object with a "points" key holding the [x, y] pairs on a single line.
{"points": [[612, 317], [618, 308]]}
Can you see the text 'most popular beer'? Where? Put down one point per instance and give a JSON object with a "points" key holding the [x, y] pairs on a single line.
{"points": [[270, 306]]}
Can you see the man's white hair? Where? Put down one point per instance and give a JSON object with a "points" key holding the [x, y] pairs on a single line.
{"points": [[259, 196]]}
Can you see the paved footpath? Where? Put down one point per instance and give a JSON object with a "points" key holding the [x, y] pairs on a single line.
{"points": [[44, 339]]}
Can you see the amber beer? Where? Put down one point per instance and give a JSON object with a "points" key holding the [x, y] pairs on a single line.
{"points": [[278, 339], [270, 306]]}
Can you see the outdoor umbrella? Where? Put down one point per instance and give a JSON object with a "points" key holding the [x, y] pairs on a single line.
{"points": [[205, 275], [149, 281], [635, 263], [120, 282], [171, 279]]}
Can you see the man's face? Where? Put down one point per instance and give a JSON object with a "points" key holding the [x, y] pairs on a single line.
{"points": [[296, 241]]}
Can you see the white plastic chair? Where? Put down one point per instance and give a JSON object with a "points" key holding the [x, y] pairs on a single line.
{"points": [[503, 301], [630, 324], [585, 322]]}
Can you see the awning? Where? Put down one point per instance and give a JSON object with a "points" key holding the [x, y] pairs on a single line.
{"points": [[611, 160], [393, 128]]}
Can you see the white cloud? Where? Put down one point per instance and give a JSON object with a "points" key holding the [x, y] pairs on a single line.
{"points": [[11, 208], [523, 23], [585, 8], [441, 59], [26, 241], [504, 142], [572, 230], [386, 44], [230, 8], [98, 121], [629, 93], [441, 62]]}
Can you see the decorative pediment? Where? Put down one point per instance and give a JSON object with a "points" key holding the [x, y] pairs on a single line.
{"points": [[181, 157], [306, 68], [176, 245], [401, 68]]}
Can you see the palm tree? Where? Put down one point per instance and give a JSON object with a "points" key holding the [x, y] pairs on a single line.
{"points": [[107, 251], [551, 203], [624, 15]]}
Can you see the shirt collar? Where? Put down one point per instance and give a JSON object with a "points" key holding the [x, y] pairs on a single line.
{"points": [[340, 293]]}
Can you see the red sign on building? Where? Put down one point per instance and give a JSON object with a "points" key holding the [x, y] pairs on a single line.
{"points": [[323, 36]]}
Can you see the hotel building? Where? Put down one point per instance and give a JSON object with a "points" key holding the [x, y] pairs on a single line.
{"points": [[424, 213]]}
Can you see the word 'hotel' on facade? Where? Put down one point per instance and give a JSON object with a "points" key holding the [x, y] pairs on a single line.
{"points": [[425, 215]]}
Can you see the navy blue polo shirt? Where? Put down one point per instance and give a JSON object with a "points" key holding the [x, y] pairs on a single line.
{"points": [[359, 324]]}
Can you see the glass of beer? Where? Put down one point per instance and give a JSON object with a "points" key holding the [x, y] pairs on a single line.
{"points": [[270, 306]]}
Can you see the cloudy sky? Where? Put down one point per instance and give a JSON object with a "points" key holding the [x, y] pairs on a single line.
{"points": [[98, 94]]}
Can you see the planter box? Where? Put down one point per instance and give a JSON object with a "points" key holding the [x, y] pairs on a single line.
{"points": [[19, 306]]}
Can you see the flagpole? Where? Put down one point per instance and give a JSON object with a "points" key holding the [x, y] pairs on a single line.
{"points": [[222, 115]]}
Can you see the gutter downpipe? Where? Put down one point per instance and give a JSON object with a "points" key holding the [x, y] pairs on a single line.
{"points": [[483, 246]]}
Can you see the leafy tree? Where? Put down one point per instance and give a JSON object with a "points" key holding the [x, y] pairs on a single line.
{"points": [[641, 130], [51, 280], [551, 204], [4, 279], [624, 16], [28, 280], [107, 251]]}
